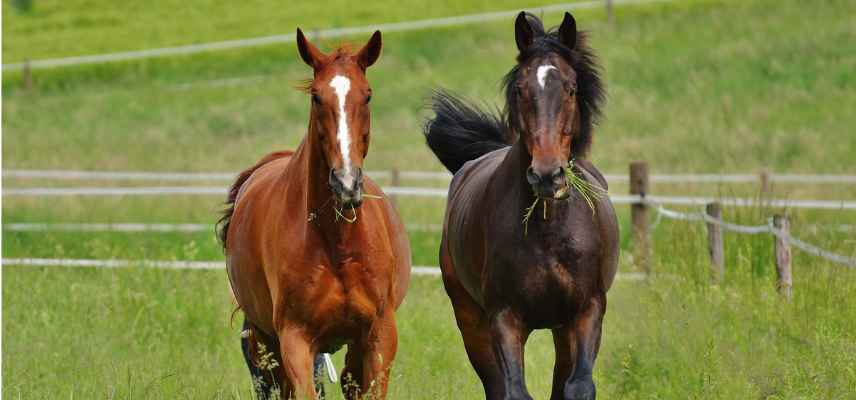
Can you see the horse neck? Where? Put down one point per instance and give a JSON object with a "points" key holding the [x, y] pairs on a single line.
{"points": [[314, 190]]}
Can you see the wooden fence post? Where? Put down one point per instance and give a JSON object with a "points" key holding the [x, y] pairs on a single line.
{"points": [[394, 181], [610, 17], [28, 76], [639, 215], [783, 256], [764, 178], [715, 246]]}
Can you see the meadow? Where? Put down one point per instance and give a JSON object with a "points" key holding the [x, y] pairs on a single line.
{"points": [[694, 87]]}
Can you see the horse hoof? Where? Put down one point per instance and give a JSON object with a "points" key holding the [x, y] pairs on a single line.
{"points": [[580, 390]]}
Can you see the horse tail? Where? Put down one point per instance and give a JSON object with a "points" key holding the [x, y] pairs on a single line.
{"points": [[461, 132], [222, 227]]}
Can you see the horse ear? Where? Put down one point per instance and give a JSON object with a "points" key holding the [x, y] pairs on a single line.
{"points": [[370, 52], [568, 31], [524, 35], [308, 52]]}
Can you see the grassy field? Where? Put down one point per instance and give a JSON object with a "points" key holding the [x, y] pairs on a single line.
{"points": [[695, 86], [139, 333]]}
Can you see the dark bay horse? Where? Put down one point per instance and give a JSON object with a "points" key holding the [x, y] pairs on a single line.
{"points": [[506, 278], [312, 265]]}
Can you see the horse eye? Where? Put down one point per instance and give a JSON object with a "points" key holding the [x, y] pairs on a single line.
{"points": [[315, 98]]}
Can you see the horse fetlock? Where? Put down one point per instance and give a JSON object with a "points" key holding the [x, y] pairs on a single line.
{"points": [[580, 389], [519, 396]]}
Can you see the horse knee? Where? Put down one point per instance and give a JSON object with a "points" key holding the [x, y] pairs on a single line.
{"points": [[580, 389]]}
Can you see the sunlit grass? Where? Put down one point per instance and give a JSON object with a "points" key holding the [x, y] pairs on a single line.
{"points": [[701, 86]]}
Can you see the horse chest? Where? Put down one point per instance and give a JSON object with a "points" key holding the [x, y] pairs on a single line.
{"points": [[351, 290], [546, 280]]}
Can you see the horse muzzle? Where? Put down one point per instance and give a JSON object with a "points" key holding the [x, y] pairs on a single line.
{"points": [[347, 186], [549, 184]]}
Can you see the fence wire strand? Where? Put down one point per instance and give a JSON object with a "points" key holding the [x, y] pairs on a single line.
{"points": [[751, 230]]}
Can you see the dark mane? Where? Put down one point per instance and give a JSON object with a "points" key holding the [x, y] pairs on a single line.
{"points": [[590, 90], [460, 132]]}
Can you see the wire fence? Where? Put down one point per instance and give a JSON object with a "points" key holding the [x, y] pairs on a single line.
{"points": [[753, 230], [148, 227], [419, 270], [417, 175], [658, 203], [421, 192]]}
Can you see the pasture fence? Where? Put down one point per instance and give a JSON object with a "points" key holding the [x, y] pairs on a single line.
{"points": [[765, 178], [640, 199], [148, 227], [778, 226], [418, 270]]}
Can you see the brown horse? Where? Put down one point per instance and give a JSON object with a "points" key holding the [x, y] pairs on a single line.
{"points": [[504, 277], [312, 265]]}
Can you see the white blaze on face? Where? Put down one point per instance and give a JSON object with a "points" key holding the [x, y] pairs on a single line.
{"points": [[342, 86], [542, 74]]}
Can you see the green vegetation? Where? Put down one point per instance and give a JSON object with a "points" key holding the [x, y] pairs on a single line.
{"points": [[696, 86], [143, 333], [692, 87], [62, 28]]}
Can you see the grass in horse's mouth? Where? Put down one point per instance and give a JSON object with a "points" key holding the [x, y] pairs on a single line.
{"points": [[341, 215], [527, 213], [589, 192]]}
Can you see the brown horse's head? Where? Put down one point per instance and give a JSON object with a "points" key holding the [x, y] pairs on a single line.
{"points": [[553, 97], [340, 115]]}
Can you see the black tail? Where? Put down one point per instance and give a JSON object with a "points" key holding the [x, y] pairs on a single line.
{"points": [[460, 132]]}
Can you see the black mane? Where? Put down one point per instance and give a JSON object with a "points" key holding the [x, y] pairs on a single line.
{"points": [[460, 132], [590, 90]]}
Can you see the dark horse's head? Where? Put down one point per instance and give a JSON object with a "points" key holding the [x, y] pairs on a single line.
{"points": [[340, 115], [553, 98]]}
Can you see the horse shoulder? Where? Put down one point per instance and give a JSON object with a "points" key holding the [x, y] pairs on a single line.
{"points": [[587, 166], [464, 222], [607, 225], [394, 234]]}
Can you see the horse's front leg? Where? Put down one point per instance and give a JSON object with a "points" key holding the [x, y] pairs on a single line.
{"points": [[369, 359], [577, 345], [297, 364], [508, 338]]}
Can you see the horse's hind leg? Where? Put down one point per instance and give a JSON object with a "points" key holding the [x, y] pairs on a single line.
{"points": [[577, 345], [318, 376], [259, 361]]}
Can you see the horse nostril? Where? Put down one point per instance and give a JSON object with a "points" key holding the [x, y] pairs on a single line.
{"points": [[558, 175], [532, 177], [334, 182]]}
